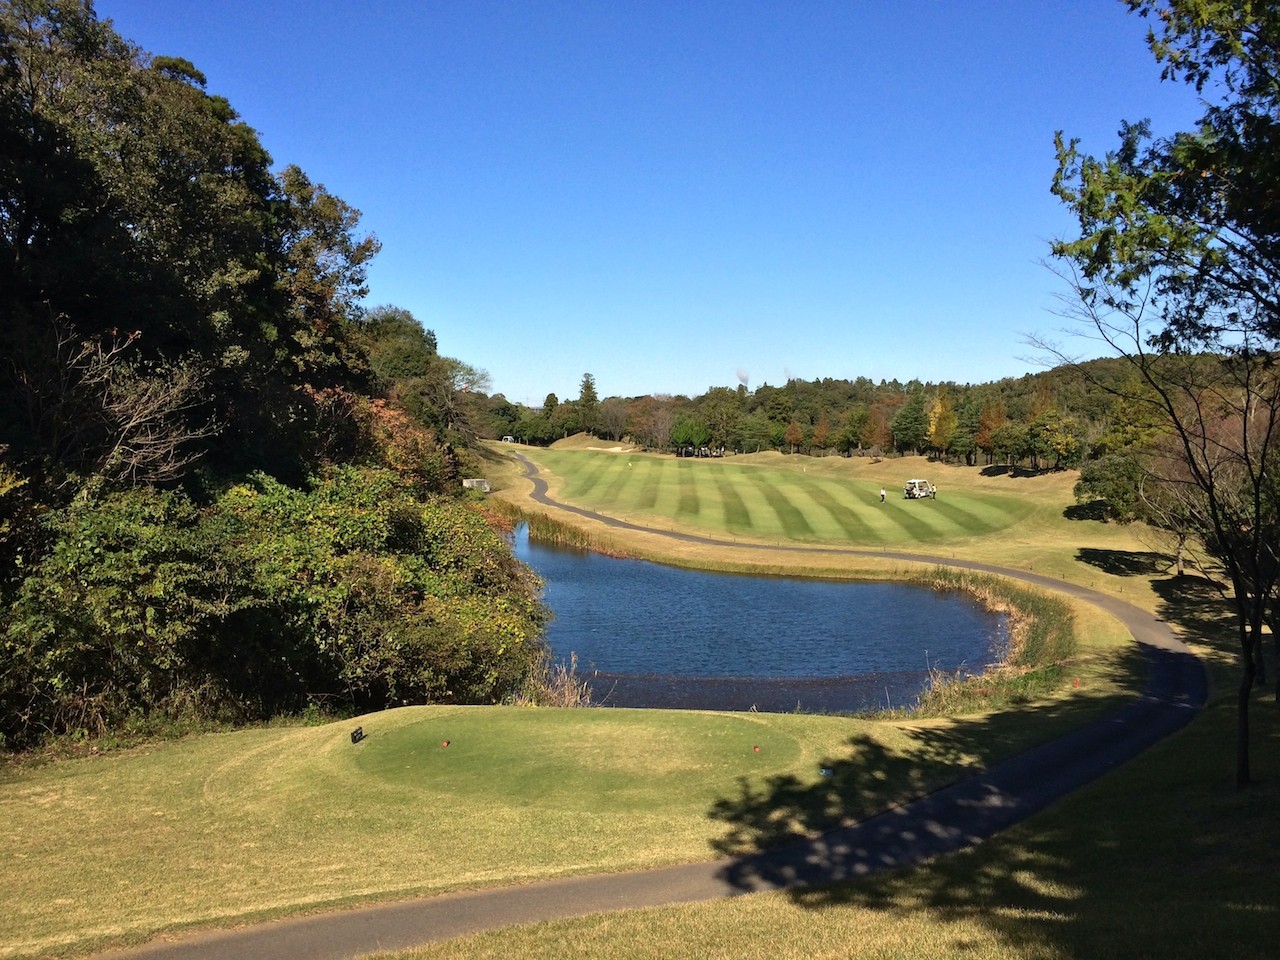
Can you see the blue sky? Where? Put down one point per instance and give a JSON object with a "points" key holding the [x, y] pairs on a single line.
{"points": [[679, 194]]}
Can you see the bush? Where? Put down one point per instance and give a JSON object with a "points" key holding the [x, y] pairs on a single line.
{"points": [[353, 592]]}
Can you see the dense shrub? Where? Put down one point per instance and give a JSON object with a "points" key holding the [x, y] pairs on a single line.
{"points": [[353, 592]]}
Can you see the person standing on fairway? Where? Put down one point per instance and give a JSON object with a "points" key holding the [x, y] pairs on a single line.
{"points": [[882, 494]]}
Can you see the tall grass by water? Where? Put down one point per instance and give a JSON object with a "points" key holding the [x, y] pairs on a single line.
{"points": [[1041, 638]]}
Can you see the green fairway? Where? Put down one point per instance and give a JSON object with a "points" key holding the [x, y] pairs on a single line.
{"points": [[797, 499]]}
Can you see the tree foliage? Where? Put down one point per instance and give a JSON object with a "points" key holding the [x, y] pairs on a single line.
{"points": [[221, 485], [354, 592], [1176, 266]]}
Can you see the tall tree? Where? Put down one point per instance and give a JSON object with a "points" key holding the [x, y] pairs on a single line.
{"points": [[1178, 255], [721, 409], [588, 405], [910, 425], [137, 209], [613, 417], [942, 423]]}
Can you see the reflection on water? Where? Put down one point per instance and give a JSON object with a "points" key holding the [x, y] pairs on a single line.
{"points": [[648, 635]]}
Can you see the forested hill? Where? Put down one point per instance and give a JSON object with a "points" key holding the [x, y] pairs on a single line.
{"points": [[1053, 418], [225, 490]]}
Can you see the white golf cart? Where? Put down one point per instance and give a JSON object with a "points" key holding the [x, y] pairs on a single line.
{"points": [[917, 489]]}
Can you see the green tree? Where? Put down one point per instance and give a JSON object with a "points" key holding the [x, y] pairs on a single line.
{"points": [[722, 411], [588, 405], [910, 425], [855, 424], [1178, 254], [137, 209], [1011, 443], [690, 433], [398, 346]]}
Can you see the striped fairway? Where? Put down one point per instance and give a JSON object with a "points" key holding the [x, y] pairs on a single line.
{"points": [[831, 504]]}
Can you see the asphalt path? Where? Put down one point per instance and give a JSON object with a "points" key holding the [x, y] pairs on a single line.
{"points": [[960, 815]]}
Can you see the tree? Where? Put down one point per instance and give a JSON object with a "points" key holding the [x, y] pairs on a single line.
{"points": [[588, 405], [855, 423], [794, 435], [690, 433], [990, 421], [445, 398], [822, 433], [135, 204], [877, 433], [910, 425], [1010, 443], [721, 409], [1177, 267], [968, 418], [398, 346], [613, 417], [942, 423], [1130, 491], [651, 420]]}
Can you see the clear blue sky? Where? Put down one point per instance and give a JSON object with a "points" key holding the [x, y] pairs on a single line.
{"points": [[679, 194]]}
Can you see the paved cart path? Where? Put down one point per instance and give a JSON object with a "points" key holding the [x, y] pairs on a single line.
{"points": [[948, 819]]}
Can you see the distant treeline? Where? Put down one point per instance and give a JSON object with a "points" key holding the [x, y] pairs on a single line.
{"points": [[1052, 419]]}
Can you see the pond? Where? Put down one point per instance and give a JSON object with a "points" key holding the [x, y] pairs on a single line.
{"points": [[648, 635]]}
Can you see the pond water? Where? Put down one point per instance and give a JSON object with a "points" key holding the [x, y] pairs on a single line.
{"points": [[647, 635]]}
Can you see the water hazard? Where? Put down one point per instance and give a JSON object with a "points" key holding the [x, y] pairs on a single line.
{"points": [[647, 635]]}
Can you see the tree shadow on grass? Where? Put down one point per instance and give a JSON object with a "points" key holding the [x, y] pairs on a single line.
{"points": [[1005, 470], [1126, 563], [1109, 873], [1196, 605], [865, 777], [1093, 510]]}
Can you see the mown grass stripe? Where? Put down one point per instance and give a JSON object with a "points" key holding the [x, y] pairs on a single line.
{"points": [[791, 519], [961, 513], [621, 481], [908, 517], [647, 471], [846, 518], [686, 478], [668, 501], [737, 516], [580, 482]]}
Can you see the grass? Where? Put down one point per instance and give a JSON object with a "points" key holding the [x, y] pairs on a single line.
{"points": [[1162, 858], [114, 848], [771, 498]]}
